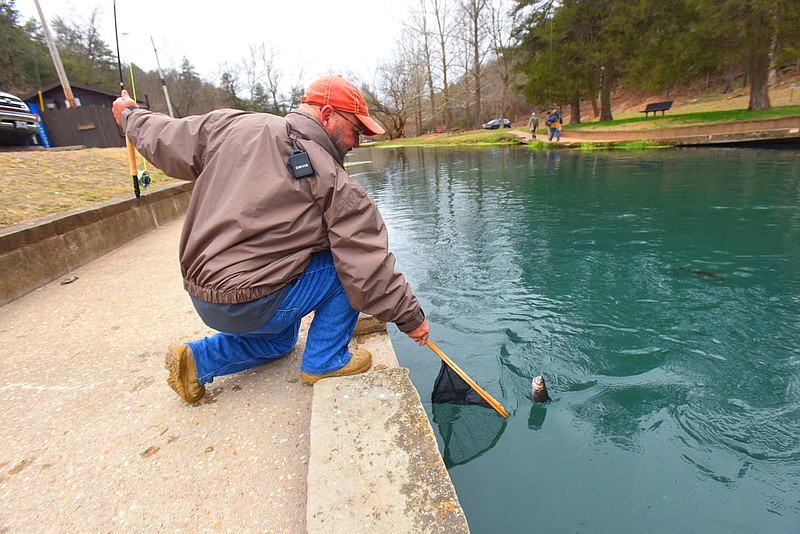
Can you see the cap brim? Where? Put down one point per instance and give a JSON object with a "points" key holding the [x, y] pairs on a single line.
{"points": [[370, 126]]}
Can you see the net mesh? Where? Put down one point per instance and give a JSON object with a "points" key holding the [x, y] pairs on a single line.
{"points": [[467, 431], [451, 388]]}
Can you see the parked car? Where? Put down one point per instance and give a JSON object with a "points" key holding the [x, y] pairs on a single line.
{"points": [[494, 124], [17, 123]]}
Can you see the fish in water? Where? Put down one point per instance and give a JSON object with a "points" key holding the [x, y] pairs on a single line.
{"points": [[700, 274], [540, 390]]}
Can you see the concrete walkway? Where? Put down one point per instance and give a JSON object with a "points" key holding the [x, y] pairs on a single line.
{"points": [[95, 441]]}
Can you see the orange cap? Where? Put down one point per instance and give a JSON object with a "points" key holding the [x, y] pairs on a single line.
{"points": [[342, 95]]}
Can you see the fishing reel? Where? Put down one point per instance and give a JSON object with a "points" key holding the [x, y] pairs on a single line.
{"points": [[144, 179]]}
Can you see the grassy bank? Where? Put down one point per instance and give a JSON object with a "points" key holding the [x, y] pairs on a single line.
{"points": [[473, 137], [686, 119], [623, 145], [40, 183]]}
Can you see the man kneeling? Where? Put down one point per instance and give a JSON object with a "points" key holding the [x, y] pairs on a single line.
{"points": [[276, 229]]}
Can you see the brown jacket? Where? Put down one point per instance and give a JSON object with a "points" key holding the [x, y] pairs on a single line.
{"points": [[251, 227]]}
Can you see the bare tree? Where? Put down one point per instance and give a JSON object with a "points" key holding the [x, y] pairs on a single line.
{"points": [[418, 28], [462, 94], [399, 93], [504, 19], [474, 12], [253, 66], [444, 32], [389, 102], [296, 91], [272, 77], [413, 56], [263, 80]]}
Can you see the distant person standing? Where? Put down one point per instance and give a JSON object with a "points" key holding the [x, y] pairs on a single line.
{"points": [[533, 122], [554, 123]]}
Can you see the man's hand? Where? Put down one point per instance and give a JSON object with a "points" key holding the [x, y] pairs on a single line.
{"points": [[121, 104], [420, 334]]}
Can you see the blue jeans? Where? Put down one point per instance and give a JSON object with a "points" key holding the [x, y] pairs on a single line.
{"points": [[556, 132], [318, 290]]}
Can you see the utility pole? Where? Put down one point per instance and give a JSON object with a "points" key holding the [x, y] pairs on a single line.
{"points": [[62, 76], [163, 82]]}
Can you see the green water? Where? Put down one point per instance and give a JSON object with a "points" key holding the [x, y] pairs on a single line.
{"points": [[657, 292]]}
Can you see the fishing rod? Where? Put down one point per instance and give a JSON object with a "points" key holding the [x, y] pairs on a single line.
{"points": [[144, 176], [128, 145]]}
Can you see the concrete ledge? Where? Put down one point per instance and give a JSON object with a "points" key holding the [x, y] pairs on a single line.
{"points": [[35, 254], [374, 463], [788, 135]]}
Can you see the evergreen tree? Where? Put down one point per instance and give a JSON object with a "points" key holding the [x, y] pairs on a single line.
{"points": [[261, 101], [746, 31], [669, 50], [187, 90], [14, 45], [228, 84], [568, 49]]}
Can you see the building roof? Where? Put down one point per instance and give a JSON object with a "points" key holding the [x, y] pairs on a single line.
{"points": [[49, 87]]}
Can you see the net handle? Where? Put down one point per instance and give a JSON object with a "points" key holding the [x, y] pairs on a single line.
{"points": [[450, 363]]}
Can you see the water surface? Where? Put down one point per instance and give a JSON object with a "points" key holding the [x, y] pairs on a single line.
{"points": [[658, 293]]}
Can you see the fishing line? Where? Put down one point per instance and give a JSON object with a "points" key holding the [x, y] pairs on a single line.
{"points": [[550, 69], [128, 145]]}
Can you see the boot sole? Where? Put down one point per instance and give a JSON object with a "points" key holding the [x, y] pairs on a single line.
{"points": [[177, 376], [312, 379]]}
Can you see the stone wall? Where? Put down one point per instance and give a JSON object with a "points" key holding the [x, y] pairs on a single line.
{"points": [[34, 254]]}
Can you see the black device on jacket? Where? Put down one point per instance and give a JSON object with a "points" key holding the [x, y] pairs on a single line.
{"points": [[299, 162]]}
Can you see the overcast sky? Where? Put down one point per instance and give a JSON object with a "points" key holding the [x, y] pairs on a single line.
{"points": [[322, 36]]}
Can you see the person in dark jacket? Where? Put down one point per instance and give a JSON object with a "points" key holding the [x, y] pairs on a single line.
{"points": [[553, 122], [276, 229]]}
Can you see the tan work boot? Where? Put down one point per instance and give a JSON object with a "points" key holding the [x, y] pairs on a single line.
{"points": [[183, 373], [360, 362]]}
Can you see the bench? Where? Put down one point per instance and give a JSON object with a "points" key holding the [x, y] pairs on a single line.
{"points": [[655, 107]]}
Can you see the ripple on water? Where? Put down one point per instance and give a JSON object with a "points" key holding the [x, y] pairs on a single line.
{"points": [[624, 412], [769, 435]]}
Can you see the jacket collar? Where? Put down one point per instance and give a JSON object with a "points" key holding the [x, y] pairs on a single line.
{"points": [[307, 127]]}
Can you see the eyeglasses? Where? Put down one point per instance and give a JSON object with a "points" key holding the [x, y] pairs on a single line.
{"points": [[359, 131]]}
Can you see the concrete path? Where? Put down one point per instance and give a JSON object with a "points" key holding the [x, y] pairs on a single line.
{"points": [[94, 440]]}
